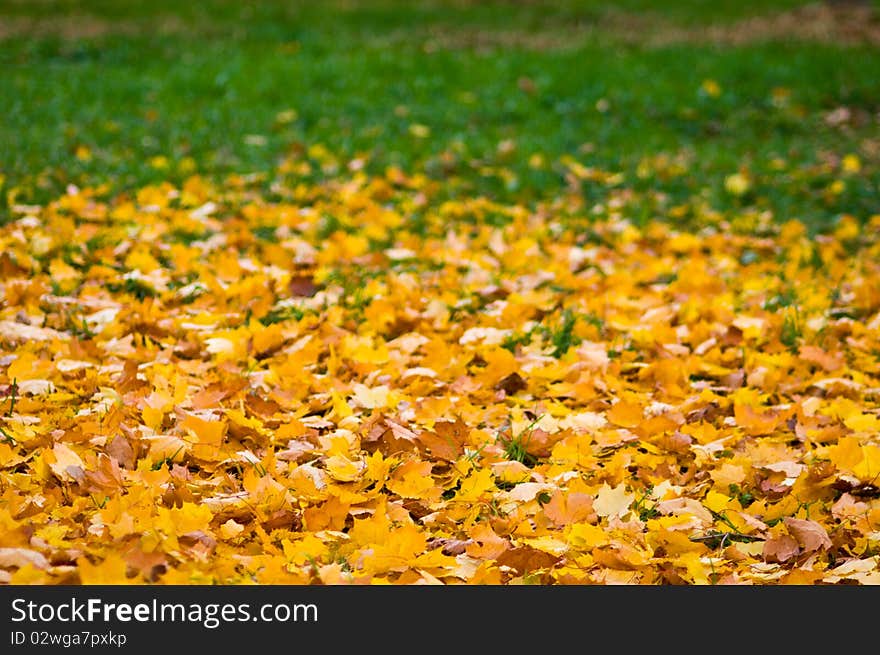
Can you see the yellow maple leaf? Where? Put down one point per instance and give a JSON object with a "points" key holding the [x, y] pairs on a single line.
{"points": [[412, 479], [858, 422], [307, 549], [586, 536], [625, 414], [206, 433], [397, 552], [868, 469], [371, 397], [475, 486], [715, 501], [330, 515], [611, 502], [373, 529], [111, 570], [341, 409], [190, 517], [64, 462], [846, 454], [231, 529], [341, 468], [268, 339]]}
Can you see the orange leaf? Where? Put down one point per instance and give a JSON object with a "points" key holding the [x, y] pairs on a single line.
{"points": [[816, 355], [330, 515], [755, 423], [413, 480], [526, 559], [110, 571], [485, 544], [567, 508], [625, 414], [208, 433], [448, 439]]}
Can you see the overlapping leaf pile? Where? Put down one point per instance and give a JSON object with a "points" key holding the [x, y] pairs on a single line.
{"points": [[358, 381]]}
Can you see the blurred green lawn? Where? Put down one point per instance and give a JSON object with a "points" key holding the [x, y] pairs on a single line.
{"points": [[491, 94]]}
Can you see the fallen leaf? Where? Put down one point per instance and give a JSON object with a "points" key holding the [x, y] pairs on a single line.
{"points": [[231, 529], [526, 559], [816, 355], [67, 465], [780, 549], [810, 535], [573, 507], [14, 332], [20, 557], [625, 414], [611, 502], [447, 440], [485, 544]]}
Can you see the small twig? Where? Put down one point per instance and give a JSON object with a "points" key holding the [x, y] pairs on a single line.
{"points": [[724, 536]]}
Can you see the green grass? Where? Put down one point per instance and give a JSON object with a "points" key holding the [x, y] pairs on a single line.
{"points": [[272, 16], [516, 446], [205, 87]]}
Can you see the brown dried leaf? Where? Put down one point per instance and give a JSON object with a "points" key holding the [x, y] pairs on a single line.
{"points": [[121, 451], [780, 549], [447, 440], [810, 535], [512, 384], [526, 559], [302, 286]]}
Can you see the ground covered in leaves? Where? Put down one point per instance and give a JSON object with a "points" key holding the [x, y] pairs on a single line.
{"points": [[359, 380]]}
